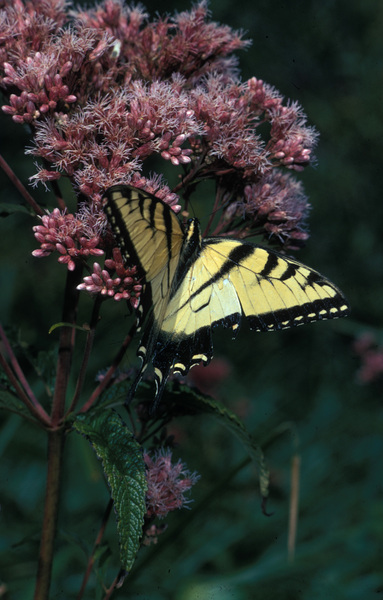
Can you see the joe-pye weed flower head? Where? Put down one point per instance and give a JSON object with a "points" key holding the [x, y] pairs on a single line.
{"points": [[111, 96], [106, 89]]}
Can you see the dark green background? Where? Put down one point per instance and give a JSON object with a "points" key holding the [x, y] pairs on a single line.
{"points": [[328, 56]]}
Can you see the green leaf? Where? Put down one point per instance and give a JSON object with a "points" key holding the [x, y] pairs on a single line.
{"points": [[11, 402], [45, 366], [115, 395], [124, 469], [8, 208], [195, 402], [72, 325]]}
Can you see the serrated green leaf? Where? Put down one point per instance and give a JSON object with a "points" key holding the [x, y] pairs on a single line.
{"points": [[193, 401], [124, 469]]}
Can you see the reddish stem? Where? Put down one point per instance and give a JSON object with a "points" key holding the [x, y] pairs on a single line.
{"points": [[87, 351], [117, 583], [294, 506], [190, 175], [22, 189], [56, 437], [59, 199], [105, 381], [37, 411], [96, 544], [29, 395], [55, 452], [217, 202]]}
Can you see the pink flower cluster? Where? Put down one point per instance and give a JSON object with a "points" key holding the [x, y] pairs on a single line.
{"points": [[67, 235], [47, 94], [108, 141], [167, 484], [46, 69], [121, 287], [187, 44], [279, 205], [106, 90]]}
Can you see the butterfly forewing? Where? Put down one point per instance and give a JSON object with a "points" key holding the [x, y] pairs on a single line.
{"points": [[147, 231], [150, 237]]}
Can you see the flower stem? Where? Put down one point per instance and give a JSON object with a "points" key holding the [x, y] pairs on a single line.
{"points": [[117, 583], [95, 547], [21, 188], [294, 503], [56, 437], [86, 355], [20, 383], [66, 345], [55, 451], [59, 199], [112, 369]]}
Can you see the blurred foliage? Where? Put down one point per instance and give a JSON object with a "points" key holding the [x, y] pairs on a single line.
{"points": [[327, 56]]}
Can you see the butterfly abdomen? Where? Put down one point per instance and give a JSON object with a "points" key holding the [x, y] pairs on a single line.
{"points": [[190, 251]]}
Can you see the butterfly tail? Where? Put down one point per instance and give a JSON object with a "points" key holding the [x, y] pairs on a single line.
{"points": [[147, 354], [160, 376], [134, 386]]}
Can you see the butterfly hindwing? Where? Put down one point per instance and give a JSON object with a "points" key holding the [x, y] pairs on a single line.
{"points": [[232, 280]]}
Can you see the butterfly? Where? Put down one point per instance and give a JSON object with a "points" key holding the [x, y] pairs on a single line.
{"points": [[192, 284]]}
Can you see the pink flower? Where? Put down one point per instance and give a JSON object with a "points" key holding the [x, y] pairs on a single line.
{"points": [[187, 44], [371, 356], [49, 80], [167, 484], [278, 205], [291, 140], [122, 287], [109, 139], [152, 532], [208, 379], [115, 89], [43, 89], [68, 235]]}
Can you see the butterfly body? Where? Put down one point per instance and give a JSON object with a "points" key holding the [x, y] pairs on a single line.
{"points": [[193, 284]]}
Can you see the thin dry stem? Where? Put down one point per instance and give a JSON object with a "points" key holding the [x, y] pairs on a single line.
{"points": [[294, 506]]}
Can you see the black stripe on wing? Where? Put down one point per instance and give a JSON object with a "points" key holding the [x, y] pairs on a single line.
{"points": [[282, 269], [192, 249], [317, 310], [118, 223]]}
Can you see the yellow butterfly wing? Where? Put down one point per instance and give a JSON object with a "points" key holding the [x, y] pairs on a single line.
{"points": [[150, 237], [229, 281], [192, 285]]}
